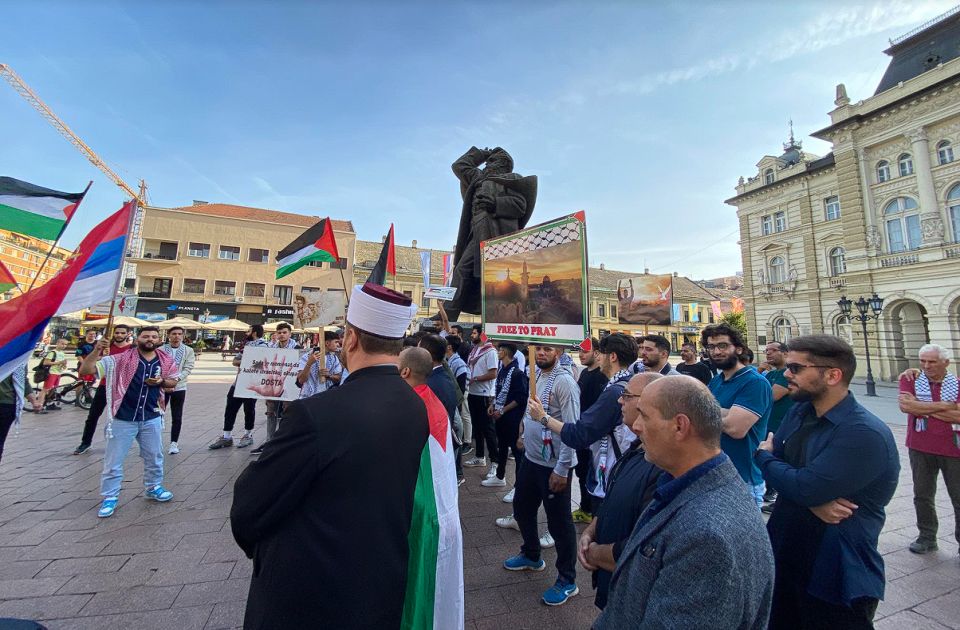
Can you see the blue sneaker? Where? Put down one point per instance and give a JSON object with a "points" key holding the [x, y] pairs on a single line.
{"points": [[520, 562], [559, 593], [108, 507], [159, 494]]}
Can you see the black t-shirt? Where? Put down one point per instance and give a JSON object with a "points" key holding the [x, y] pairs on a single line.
{"points": [[592, 383], [698, 371]]}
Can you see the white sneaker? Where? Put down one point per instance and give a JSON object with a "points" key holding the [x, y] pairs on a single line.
{"points": [[476, 462], [508, 522], [493, 472], [174, 449], [546, 541], [493, 482], [508, 497]]}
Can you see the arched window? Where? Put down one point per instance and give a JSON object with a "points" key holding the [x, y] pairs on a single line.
{"points": [[905, 162], [838, 264], [778, 270], [843, 328], [883, 171], [768, 176], [953, 204], [781, 330], [902, 216], [944, 152]]}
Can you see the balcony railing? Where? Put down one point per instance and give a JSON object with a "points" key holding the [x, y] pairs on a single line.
{"points": [[838, 282], [900, 260]]}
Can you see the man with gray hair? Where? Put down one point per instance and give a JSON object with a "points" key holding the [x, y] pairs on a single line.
{"points": [[929, 398], [698, 556]]}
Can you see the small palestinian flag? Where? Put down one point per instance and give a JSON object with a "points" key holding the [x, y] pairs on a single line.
{"points": [[7, 281], [387, 263], [34, 210], [315, 245]]}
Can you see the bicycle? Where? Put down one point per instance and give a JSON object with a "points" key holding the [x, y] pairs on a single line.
{"points": [[71, 391]]}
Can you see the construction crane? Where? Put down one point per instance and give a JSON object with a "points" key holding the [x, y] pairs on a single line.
{"points": [[140, 195]]}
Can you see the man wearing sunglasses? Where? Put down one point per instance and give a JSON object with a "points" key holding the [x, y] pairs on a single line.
{"points": [[745, 398], [835, 468]]}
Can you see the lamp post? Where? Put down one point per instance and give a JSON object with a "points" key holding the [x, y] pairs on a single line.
{"points": [[868, 309]]}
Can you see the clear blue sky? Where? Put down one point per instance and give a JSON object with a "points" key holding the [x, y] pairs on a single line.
{"points": [[641, 114]]}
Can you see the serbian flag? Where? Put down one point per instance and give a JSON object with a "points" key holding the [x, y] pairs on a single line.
{"points": [[7, 281], [447, 269], [387, 263], [434, 596], [34, 210], [24, 318], [98, 280], [317, 244]]}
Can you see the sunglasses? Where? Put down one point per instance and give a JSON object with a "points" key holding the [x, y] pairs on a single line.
{"points": [[796, 368]]}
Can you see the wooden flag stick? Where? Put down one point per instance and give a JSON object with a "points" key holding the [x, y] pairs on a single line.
{"points": [[532, 362]]}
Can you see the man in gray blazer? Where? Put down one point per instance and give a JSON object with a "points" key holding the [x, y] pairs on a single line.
{"points": [[699, 556]]}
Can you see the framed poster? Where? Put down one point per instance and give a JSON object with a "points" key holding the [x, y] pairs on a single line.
{"points": [[268, 373], [645, 299], [535, 284]]}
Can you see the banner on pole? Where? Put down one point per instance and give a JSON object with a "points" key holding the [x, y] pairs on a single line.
{"points": [[440, 293], [425, 268], [268, 373], [318, 308], [646, 300]]}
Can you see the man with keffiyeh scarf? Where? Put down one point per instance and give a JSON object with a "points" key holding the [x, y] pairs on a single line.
{"points": [[507, 411]]}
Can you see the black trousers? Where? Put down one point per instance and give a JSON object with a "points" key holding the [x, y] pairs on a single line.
{"points": [[794, 608], [93, 416], [176, 400], [925, 468], [532, 490], [508, 431], [8, 413], [483, 429], [233, 406], [584, 459]]}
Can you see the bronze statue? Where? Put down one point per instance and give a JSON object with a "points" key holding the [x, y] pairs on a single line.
{"points": [[496, 201]]}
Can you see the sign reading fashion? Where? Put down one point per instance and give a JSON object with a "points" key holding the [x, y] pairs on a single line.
{"points": [[268, 374], [535, 283]]}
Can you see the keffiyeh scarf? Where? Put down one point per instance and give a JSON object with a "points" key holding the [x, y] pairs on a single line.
{"points": [[605, 440], [949, 392]]}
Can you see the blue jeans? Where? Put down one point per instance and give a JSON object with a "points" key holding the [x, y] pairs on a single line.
{"points": [[758, 491], [149, 435]]}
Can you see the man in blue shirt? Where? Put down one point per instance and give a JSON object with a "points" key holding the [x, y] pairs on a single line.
{"points": [[835, 467], [746, 399]]}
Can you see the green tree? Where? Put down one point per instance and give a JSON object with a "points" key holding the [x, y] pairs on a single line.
{"points": [[737, 320]]}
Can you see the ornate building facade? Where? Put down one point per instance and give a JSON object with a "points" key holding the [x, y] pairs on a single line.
{"points": [[880, 213]]}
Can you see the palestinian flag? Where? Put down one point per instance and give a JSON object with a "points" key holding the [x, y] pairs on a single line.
{"points": [[315, 245], [387, 263], [34, 210], [434, 595], [7, 281]]}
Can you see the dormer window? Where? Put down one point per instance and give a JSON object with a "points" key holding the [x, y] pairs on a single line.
{"points": [[905, 162], [768, 176], [883, 171]]}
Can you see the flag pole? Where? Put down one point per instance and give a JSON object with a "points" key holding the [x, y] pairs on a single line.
{"points": [[116, 288], [57, 241]]}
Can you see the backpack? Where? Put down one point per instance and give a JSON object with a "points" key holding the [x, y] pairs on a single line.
{"points": [[41, 372]]}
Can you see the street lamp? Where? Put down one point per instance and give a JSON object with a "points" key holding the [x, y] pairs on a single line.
{"points": [[868, 309]]}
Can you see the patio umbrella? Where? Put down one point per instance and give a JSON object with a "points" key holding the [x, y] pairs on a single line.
{"points": [[228, 324], [125, 320], [183, 322]]}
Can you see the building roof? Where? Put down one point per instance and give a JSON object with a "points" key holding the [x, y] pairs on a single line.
{"points": [[922, 49], [408, 258], [809, 167], [261, 214]]}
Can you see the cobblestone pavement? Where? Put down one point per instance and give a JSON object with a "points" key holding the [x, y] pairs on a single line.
{"points": [[175, 565]]}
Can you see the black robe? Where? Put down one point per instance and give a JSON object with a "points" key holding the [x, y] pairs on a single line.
{"points": [[325, 511]]}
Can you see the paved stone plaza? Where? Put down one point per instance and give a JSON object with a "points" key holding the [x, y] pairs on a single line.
{"points": [[175, 565]]}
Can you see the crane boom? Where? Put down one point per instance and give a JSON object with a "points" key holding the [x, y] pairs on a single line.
{"points": [[31, 97]]}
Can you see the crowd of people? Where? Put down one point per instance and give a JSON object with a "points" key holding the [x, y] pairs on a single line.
{"points": [[676, 466]]}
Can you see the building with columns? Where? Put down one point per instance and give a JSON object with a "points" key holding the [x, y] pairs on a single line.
{"points": [[880, 213]]}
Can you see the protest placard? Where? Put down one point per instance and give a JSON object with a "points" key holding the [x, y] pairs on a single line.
{"points": [[317, 308], [535, 284], [645, 299], [268, 373]]}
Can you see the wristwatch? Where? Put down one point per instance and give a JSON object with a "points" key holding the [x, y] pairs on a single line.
{"points": [[544, 419]]}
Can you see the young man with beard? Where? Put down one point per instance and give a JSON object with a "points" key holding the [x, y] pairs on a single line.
{"points": [[692, 366], [835, 467], [507, 412], [544, 476], [280, 339], [592, 381], [654, 354], [118, 345], [746, 399], [134, 383], [255, 339], [185, 358], [481, 386]]}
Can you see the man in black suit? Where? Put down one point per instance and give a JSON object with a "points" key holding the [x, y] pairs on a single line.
{"points": [[325, 512]]}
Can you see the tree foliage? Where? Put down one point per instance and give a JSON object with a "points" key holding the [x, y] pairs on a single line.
{"points": [[737, 320]]}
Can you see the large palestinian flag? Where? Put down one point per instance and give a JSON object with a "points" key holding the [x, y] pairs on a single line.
{"points": [[317, 244], [434, 596], [35, 210]]}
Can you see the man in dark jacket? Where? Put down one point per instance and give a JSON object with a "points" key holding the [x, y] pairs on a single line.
{"points": [[325, 512], [835, 467]]}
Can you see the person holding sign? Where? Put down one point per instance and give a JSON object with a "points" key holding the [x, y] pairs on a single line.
{"points": [[320, 370]]}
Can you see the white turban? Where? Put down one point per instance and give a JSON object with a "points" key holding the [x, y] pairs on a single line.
{"points": [[380, 311]]}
